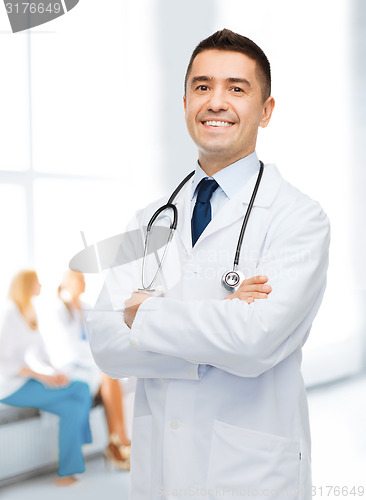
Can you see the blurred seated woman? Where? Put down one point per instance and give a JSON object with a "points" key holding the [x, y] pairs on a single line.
{"points": [[27, 378], [69, 350]]}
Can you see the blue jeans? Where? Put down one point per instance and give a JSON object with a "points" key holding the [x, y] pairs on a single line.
{"points": [[72, 404]]}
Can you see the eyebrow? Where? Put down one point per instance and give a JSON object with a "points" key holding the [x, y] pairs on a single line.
{"points": [[239, 80], [205, 78]]}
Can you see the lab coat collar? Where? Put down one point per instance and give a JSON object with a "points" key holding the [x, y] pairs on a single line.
{"points": [[233, 210], [231, 178], [267, 190]]}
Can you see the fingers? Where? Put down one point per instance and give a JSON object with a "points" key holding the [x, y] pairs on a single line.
{"points": [[255, 284], [255, 288], [252, 295], [49, 382], [246, 296], [136, 298], [256, 280], [252, 289], [58, 380], [62, 379]]}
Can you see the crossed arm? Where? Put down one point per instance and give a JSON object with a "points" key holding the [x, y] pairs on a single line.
{"points": [[250, 290], [148, 341], [109, 335]]}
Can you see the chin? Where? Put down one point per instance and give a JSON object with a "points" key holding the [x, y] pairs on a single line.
{"points": [[217, 149]]}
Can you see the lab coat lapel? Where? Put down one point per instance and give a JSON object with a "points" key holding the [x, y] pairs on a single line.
{"points": [[183, 203], [236, 207]]}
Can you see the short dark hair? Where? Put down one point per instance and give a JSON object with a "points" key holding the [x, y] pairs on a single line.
{"points": [[230, 41]]}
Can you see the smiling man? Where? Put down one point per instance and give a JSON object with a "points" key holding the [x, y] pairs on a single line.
{"points": [[220, 409], [226, 100]]}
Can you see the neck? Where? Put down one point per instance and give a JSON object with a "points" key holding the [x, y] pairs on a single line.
{"points": [[211, 164], [29, 314], [76, 302]]}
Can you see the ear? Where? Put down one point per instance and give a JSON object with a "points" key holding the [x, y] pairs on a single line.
{"points": [[268, 108]]}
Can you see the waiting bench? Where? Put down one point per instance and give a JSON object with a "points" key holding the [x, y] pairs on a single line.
{"points": [[29, 438], [29, 441]]}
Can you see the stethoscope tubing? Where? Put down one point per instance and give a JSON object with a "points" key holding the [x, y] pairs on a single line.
{"points": [[174, 224], [246, 217]]}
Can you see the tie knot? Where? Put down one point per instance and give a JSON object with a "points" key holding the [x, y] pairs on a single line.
{"points": [[205, 189]]}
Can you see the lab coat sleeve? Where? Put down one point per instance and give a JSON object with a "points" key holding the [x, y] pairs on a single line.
{"points": [[246, 340], [110, 337]]}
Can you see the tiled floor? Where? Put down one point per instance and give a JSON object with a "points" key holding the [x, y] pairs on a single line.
{"points": [[338, 421], [97, 483]]}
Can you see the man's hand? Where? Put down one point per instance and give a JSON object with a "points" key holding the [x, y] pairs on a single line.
{"points": [[132, 304], [249, 290], [252, 288]]}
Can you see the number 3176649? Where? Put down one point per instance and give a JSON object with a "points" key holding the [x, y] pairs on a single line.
{"points": [[33, 8]]}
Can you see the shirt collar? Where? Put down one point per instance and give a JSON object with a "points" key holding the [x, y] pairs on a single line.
{"points": [[231, 178]]}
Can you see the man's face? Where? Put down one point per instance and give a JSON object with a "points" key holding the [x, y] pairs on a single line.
{"points": [[224, 106]]}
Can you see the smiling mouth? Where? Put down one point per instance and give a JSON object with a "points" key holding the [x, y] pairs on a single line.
{"points": [[217, 123]]}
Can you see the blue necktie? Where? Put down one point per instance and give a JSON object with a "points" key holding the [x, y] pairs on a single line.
{"points": [[202, 209]]}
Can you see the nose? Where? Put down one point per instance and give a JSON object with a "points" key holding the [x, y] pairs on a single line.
{"points": [[217, 101]]}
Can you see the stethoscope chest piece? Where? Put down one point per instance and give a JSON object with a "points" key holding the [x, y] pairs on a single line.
{"points": [[231, 280]]}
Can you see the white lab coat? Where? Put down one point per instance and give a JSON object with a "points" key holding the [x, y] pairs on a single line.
{"points": [[220, 408], [68, 351]]}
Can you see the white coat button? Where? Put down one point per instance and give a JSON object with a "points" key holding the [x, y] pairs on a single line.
{"points": [[133, 342], [174, 424]]}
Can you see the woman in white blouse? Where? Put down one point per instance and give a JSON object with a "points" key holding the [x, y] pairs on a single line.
{"points": [[27, 379]]}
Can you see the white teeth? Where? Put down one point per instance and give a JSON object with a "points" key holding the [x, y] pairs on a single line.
{"points": [[218, 124]]}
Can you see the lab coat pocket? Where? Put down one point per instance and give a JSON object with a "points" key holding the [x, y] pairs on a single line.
{"points": [[248, 462], [141, 457]]}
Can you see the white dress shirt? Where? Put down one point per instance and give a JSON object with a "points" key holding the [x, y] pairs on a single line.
{"points": [[230, 180]]}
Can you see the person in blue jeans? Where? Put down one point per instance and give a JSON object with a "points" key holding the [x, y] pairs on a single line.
{"points": [[27, 378]]}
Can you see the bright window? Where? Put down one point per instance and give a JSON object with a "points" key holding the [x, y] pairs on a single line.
{"points": [[13, 230]]}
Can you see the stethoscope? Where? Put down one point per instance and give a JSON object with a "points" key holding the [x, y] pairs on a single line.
{"points": [[231, 280]]}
